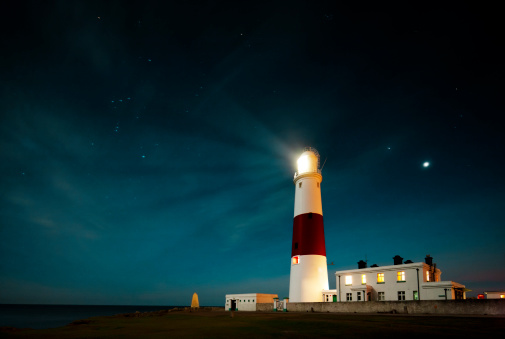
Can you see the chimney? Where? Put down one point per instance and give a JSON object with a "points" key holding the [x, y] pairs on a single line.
{"points": [[362, 264], [428, 260], [408, 262], [398, 260]]}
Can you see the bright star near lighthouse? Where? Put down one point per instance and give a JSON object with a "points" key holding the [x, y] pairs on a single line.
{"points": [[426, 164]]}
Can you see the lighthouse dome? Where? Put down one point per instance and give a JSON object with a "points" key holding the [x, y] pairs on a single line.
{"points": [[308, 162]]}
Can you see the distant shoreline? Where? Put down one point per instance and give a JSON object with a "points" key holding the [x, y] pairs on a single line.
{"points": [[40, 316]]}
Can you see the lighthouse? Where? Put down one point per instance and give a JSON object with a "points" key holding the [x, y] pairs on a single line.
{"points": [[309, 274]]}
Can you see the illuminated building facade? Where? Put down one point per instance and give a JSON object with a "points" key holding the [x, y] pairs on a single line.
{"points": [[401, 281]]}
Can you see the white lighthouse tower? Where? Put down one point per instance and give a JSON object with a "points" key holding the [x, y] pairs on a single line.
{"points": [[309, 274]]}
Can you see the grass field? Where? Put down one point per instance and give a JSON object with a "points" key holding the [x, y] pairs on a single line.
{"points": [[203, 324]]}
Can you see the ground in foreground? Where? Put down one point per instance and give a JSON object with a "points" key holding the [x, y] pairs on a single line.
{"points": [[254, 324]]}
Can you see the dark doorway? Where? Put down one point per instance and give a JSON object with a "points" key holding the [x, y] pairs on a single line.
{"points": [[233, 305]]}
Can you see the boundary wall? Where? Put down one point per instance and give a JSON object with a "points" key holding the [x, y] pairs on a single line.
{"points": [[212, 308], [468, 306], [265, 307]]}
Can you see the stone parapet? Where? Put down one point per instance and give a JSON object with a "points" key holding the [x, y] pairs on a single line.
{"points": [[462, 307], [265, 307]]}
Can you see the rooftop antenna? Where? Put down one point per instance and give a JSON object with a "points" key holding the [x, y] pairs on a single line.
{"points": [[324, 163]]}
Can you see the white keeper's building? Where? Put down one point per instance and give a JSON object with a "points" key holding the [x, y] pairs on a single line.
{"points": [[401, 281]]}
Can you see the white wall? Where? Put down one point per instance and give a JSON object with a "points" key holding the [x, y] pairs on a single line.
{"points": [[390, 287], [248, 301], [308, 196], [495, 295], [308, 279], [433, 290]]}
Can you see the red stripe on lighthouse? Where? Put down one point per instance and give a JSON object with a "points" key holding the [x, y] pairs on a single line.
{"points": [[308, 235]]}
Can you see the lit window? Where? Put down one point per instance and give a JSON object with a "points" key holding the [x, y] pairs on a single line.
{"points": [[502, 296], [401, 295], [381, 296], [348, 296], [296, 260], [416, 295], [401, 276], [358, 294], [348, 279], [363, 279], [427, 276], [380, 278]]}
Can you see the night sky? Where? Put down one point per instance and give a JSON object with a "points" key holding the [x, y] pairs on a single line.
{"points": [[147, 151]]}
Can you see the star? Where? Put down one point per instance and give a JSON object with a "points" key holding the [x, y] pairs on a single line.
{"points": [[426, 164]]}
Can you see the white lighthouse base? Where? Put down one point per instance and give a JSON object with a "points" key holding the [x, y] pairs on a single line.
{"points": [[308, 279]]}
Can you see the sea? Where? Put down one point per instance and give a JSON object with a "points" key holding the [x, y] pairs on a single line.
{"points": [[50, 316]]}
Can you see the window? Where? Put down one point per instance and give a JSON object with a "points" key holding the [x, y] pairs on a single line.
{"points": [[401, 295], [296, 245], [253, 300], [427, 276], [348, 296], [363, 279], [249, 300], [318, 185], [502, 296], [380, 278], [296, 260], [401, 276], [381, 296], [300, 185], [416, 295], [358, 294], [348, 279]]}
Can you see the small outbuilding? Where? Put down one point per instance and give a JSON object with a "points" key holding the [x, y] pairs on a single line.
{"points": [[495, 295], [247, 301]]}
